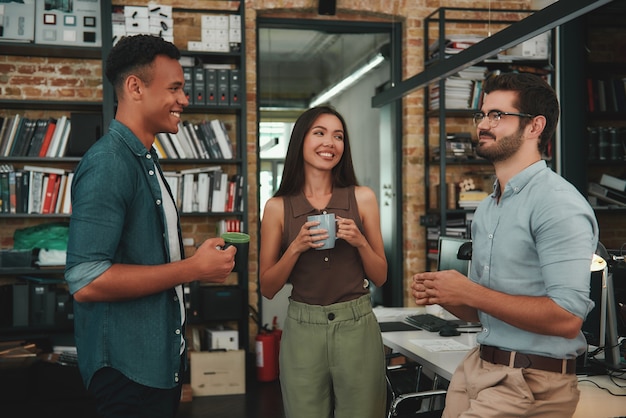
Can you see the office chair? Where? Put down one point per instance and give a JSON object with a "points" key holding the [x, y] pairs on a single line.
{"points": [[408, 393]]}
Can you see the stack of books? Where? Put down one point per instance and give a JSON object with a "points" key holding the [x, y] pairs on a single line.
{"points": [[471, 198], [205, 140], [25, 137], [34, 189], [206, 189], [453, 44]]}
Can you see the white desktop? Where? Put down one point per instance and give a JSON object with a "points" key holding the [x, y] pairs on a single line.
{"points": [[441, 355]]}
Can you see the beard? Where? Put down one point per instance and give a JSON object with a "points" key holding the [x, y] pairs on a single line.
{"points": [[503, 148]]}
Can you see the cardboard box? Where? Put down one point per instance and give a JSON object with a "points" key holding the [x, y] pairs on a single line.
{"points": [[218, 373], [222, 339], [17, 21], [535, 48], [76, 23]]}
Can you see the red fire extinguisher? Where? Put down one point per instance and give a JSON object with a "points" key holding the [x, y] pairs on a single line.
{"points": [[266, 361]]}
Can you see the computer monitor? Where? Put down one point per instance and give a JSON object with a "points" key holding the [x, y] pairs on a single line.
{"points": [[447, 258], [600, 326]]}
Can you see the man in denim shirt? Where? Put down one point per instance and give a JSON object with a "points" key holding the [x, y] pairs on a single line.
{"points": [[533, 241], [125, 265]]}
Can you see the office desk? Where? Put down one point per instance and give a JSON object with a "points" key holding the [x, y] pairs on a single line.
{"points": [[594, 402]]}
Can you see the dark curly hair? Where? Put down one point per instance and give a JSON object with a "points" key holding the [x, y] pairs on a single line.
{"points": [[135, 55], [293, 174]]}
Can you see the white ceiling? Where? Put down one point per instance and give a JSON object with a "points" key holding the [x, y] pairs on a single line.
{"points": [[297, 64]]}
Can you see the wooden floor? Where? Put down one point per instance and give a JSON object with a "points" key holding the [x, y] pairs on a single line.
{"points": [[262, 400]]}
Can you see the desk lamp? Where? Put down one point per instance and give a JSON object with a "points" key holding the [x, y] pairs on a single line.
{"points": [[608, 312]]}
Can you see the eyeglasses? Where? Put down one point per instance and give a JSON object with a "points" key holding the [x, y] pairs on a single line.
{"points": [[495, 115]]}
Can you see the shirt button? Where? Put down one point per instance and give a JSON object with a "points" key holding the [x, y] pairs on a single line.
{"points": [[486, 267], [490, 236], [326, 259], [176, 379], [331, 316], [158, 202], [148, 156], [151, 172], [177, 332]]}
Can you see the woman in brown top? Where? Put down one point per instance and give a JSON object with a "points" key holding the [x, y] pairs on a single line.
{"points": [[331, 356]]}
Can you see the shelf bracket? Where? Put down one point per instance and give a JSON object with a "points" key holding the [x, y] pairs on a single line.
{"points": [[539, 22]]}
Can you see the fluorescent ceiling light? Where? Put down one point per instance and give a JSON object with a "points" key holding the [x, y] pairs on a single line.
{"points": [[348, 81]]}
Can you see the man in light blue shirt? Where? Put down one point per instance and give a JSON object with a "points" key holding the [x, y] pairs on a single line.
{"points": [[533, 241]]}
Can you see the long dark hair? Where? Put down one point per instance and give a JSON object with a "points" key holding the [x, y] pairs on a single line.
{"points": [[293, 174]]}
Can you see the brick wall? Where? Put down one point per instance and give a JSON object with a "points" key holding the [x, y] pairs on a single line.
{"points": [[81, 80]]}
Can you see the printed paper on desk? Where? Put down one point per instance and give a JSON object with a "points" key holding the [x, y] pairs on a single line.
{"points": [[440, 345]]}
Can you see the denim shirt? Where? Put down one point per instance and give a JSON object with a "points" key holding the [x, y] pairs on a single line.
{"points": [[538, 240], [117, 217]]}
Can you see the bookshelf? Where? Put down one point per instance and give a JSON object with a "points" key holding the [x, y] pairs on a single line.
{"points": [[448, 108], [593, 124], [96, 97]]}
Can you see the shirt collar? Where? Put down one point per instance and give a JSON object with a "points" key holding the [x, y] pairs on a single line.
{"points": [[339, 200], [129, 138], [521, 179]]}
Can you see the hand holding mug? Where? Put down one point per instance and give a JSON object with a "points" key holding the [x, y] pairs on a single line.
{"points": [[327, 223]]}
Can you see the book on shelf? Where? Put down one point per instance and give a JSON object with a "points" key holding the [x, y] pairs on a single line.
{"points": [[204, 191], [4, 190], [56, 137], [210, 140], [51, 192], [607, 195], [197, 187], [199, 145], [178, 146], [66, 205], [613, 182], [223, 139], [8, 136], [203, 169], [186, 142], [168, 146], [470, 199], [228, 225], [223, 87], [45, 143], [23, 136], [188, 193], [42, 183], [36, 141], [64, 138], [159, 149], [220, 191]]}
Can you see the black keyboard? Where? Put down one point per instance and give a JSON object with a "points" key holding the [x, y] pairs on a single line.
{"points": [[427, 322]]}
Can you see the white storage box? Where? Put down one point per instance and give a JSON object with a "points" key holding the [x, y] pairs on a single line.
{"points": [[218, 373]]}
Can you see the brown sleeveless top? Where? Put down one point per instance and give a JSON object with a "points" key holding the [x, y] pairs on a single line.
{"points": [[324, 277]]}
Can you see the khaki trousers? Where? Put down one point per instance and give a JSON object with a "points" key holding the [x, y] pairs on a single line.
{"points": [[483, 390]]}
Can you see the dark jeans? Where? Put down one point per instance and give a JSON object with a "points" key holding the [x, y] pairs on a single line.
{"points": [[119, 397]]}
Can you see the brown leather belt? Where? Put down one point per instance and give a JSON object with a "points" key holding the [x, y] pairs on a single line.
{"points": [[527, 361]]}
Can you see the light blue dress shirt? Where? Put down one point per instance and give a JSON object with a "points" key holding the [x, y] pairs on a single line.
{"points": [[118, 217], [538, 240]]}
